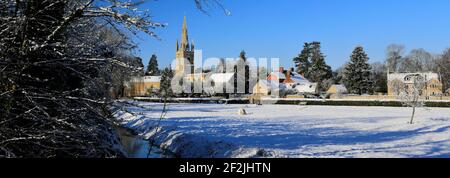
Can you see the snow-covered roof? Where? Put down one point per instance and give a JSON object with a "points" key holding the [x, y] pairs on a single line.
{"points": [[299, 79], [307, 88], [405, 77], [279, 75], [152, 78], [222, 77]]}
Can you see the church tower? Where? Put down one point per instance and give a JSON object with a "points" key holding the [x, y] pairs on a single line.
{"points": [[185, 53]]}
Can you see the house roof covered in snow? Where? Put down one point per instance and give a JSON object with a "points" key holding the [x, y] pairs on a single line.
{"points": [[152, 79], [298, 79], [406, 77], [279, 75], [149, 79]]}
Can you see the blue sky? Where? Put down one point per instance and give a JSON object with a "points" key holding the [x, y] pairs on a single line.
{"points": [[278, 28]]}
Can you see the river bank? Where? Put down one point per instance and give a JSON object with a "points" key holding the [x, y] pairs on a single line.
{"points": [[137, 147]]}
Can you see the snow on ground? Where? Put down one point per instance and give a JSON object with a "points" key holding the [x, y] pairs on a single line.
{"points": [[217, 130]]}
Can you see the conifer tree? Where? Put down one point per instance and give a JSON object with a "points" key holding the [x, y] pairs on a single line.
{"points": [[152, 68], [319, 71], [242, 55], [357, 77], [166, 79], [302, 61]]}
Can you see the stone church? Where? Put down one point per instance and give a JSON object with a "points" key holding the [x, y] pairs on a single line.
{"points": [[184, 53], [185, 69]]}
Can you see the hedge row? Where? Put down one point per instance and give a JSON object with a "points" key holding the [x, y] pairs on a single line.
{"points": [[298, 102], [357, 103], [204, 101]]}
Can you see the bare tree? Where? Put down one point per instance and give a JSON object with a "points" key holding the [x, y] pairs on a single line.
{"points": [[202, 4], [57, 60], [394, 55], [443, 68], [419, 60], [410, 93]]}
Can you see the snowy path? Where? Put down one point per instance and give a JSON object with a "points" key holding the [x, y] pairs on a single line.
{"points": [[297, 131]]}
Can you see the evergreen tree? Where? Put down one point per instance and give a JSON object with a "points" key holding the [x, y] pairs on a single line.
{"points": [[338, 75], [319, 71], [152, 68], [302, 61], [357, 76], [166, 79], [242, 55]]}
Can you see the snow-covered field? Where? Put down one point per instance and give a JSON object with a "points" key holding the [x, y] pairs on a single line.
{"points": [[214, 130]]}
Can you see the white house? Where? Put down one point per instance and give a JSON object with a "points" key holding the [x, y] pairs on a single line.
{"points": [[301, 84], [289, 80]]}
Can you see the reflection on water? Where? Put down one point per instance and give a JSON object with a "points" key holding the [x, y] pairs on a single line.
{"points": [[137, 147]]}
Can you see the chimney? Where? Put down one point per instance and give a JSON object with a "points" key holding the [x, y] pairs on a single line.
{"points": [[288, 76]]}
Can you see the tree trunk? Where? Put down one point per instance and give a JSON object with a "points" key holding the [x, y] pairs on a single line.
{"points": [[412, 116], [414, 110]]}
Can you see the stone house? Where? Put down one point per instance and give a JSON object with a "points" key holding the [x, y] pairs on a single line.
{"points": [[337, 89], [433, 84], [142, 86]]}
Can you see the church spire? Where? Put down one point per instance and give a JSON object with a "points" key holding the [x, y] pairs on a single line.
{"points": [[184, 35]]}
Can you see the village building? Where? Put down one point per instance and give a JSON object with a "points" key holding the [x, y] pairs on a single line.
{"points": [[283, 81], [185, 70], [337, 89], [433, 84], [184, 53], [268, 87], [142, 86], [293, 81], [148, 85]]}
